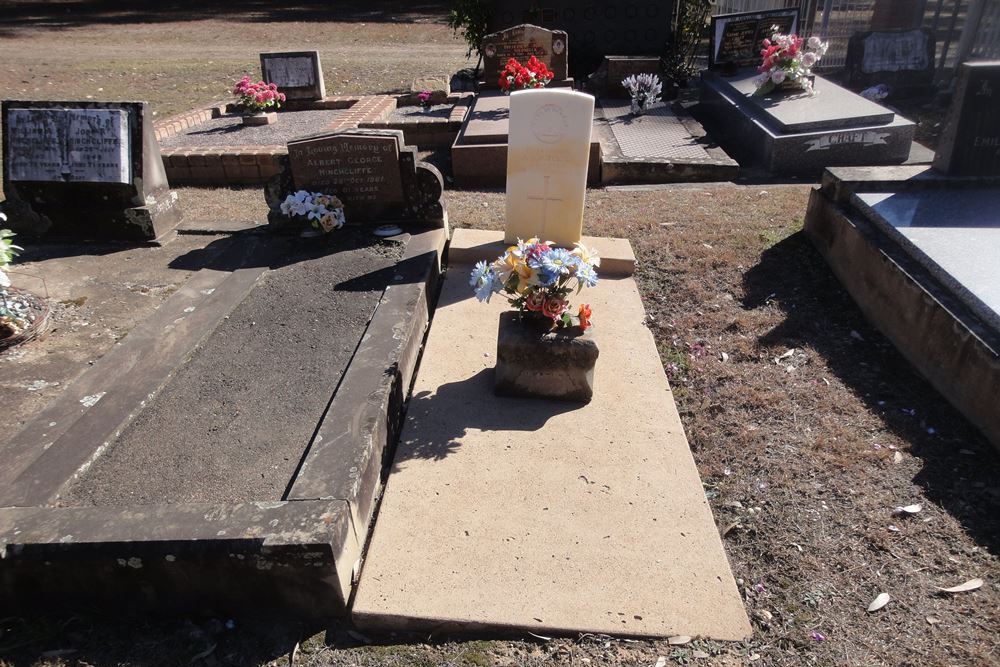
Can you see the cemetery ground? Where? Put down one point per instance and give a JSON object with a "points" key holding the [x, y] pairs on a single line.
{"points": [[807, 427]]}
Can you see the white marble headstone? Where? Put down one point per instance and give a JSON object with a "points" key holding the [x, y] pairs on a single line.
{"points": [[547, 158]]}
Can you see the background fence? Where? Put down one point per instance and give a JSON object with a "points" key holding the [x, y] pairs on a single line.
{"points": [[964, 29]]}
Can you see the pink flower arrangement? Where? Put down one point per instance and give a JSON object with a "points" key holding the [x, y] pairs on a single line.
{"points": [[788, 58], [259, 96]]}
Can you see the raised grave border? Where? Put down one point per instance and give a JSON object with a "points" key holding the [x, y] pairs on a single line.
{"points": [[300, 554], [427, 132], [940, 335], [252, 165]]}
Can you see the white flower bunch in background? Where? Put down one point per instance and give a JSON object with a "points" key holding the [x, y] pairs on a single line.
{"points": [[644, 89]]}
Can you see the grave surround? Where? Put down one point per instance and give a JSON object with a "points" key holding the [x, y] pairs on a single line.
{"points": [[427, 132], [252, 165]]}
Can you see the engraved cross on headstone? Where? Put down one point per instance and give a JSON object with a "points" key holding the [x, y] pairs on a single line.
{"points": [[545, 199]]}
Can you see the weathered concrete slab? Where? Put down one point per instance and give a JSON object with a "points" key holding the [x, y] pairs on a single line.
{"points": [[522, 514], [660, 146], [296, 556]]}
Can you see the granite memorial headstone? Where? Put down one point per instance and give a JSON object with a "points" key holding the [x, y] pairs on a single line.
{"points": [[736, 38], [970, 144], [547, 158], [900, 59], [85, 169], [298, 74], [373, 172], [522, 42]]}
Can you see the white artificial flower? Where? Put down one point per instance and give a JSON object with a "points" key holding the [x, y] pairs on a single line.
{"points": [[808, 59], [4, 280], [777, 76], [814, 42]]}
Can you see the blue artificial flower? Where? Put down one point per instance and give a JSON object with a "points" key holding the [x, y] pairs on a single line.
{"points": [[586, 275], [558, 261], [479, 273]]}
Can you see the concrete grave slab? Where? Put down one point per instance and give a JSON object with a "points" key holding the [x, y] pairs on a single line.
{"points": [[523, 514], [661, 146]]}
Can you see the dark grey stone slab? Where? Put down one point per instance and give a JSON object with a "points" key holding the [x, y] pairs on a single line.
{"points": [[954, 234], [85, 169], [292, 556], [747, 129], [970, 144]]}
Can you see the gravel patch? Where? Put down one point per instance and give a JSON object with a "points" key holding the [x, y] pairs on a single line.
{"points": [[229, 130], [402, 114]]}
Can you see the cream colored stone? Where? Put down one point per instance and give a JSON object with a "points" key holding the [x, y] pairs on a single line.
{"points": [[526, 514], [547, 157], [468, 246]]}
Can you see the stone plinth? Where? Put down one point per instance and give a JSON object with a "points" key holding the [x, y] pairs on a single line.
{"points": [[534, 360], [795, 133]]}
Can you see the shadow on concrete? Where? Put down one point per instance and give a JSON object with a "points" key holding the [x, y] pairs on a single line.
{"points": [[436, 423], [64, 14], [821, 314]]}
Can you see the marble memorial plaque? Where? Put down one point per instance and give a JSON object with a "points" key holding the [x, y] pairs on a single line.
{"points": [[298, 74], [970, 144], [522, 42], [736, 38], [77, 145], [547, 159]]}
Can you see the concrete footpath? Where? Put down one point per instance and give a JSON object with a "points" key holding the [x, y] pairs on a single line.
{"points": [[506, 514]]}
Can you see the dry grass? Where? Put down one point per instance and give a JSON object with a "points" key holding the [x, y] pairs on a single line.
{"points": [[807, 426]]}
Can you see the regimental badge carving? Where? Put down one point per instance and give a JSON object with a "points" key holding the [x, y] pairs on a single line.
{"points": [[549, 124]]}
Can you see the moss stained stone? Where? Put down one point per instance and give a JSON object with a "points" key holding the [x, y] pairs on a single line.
{"points": [[535, 361]]}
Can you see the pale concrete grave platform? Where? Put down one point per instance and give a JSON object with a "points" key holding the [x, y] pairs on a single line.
{"points": [[661, 146], [553, 517]]}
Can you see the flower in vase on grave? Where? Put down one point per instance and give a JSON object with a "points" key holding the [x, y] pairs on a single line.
{"points": [[322, 211], [255, 97], [537, 277], [644, 89], [532, 74], [788, 58]]}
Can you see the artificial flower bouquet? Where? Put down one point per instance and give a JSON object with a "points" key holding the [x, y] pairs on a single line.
{"points": [[644, 89], [425, 99], [257, 97], [13, 315], [788, 58], [323, 212], [537, 277], [533, 74]]}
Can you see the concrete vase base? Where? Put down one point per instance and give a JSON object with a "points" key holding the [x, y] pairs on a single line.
{"points": [[534, 361], [262, 118]]}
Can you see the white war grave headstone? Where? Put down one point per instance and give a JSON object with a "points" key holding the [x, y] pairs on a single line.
{"points": [[547, 158]]}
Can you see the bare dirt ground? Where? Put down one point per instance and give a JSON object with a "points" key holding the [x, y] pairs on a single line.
{"points": [[808, 428]]}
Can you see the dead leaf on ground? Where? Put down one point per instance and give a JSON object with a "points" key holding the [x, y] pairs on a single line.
{"points": [[933, 620], [897, 457], [970, 585], [678, 640], [728, 529], [661, 661], [910, 509], [881, 600]]}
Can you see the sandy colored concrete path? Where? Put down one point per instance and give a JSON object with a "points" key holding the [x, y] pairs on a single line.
{"points": [[525, 514]]}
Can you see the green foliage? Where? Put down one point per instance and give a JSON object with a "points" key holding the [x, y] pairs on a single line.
{"points": [[692, 28], [470, 18]]}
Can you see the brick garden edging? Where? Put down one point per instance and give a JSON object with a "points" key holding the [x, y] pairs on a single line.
{"points": [[429, 132], [252, 165]]}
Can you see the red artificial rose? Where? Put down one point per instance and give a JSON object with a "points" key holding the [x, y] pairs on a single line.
{"points": [[535, 301]]}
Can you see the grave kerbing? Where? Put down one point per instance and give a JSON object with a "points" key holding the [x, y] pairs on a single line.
{"points": [[373, 172], [86, 170]]}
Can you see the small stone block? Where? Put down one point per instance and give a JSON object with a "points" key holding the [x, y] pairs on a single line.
{"points": [[533, 361]]}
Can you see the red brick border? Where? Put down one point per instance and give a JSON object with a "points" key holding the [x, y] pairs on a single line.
{"points": [[251, 165]]}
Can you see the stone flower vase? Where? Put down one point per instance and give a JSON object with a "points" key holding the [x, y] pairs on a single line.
{"points": [[260, 118], [534, 360]]}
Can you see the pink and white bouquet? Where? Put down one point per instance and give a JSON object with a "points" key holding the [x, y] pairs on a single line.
{"points": [[257, 97], [788, 58], [537, 277]]}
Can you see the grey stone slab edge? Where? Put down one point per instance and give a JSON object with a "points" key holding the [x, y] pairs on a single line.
{"points": [[931, 328], [973, 302], [353, 443], [41, 459], [213, 558], [618, 168]]}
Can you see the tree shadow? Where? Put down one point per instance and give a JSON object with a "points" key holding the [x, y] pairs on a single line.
{"points": [[436, 423], [17, 16], [960, 468]]}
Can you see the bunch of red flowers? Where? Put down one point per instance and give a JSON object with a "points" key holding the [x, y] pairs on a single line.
{"points": [[258, 96], [533, 74]]}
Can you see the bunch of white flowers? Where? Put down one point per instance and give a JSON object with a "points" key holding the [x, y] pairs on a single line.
{"points": [[324, 212], [7, 252], [644, 89]]}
